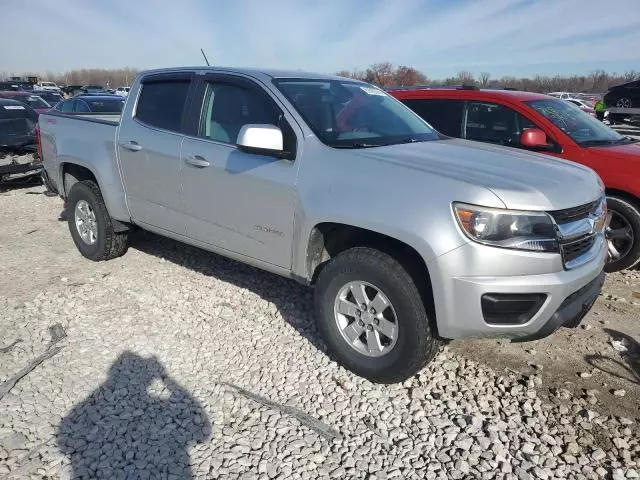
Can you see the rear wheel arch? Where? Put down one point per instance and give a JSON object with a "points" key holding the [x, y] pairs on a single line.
{"points": [[72, 173]]}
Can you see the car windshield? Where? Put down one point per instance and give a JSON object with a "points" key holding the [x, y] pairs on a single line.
{"points": [[345, 114], [105, 105], [584, 129], [34, 101]]}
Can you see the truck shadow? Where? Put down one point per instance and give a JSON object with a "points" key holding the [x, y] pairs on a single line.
{"points": [[139, 423], [293, 301], [626, 365]]}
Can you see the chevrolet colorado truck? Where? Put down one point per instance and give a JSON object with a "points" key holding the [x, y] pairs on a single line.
{"points": [[408, 237]]}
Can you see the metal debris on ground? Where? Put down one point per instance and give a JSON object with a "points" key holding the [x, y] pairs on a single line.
{"points": [[319, 427], [57, 333], [11, 346]]}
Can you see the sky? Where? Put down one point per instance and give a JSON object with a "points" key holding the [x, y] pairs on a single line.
{"points": [[438, 37]]}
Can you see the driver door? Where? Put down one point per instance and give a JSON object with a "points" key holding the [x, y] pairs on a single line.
{"points": [[238, 201]]}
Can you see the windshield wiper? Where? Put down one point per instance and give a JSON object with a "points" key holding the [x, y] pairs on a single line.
{"points": [[596, 142], [593, 143], [355, 145]]}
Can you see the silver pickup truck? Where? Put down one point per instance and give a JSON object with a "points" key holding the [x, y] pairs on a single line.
{"points": [[409, 237]]}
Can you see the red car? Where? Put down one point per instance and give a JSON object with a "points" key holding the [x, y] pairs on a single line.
{"points": [[27, 98], [545, 124]]}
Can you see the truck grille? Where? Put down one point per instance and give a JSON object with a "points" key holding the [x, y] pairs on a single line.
{"points": [[575, 213], [572, 250]]}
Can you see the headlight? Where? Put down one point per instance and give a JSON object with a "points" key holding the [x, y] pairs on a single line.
{"points": [[517, 230]]}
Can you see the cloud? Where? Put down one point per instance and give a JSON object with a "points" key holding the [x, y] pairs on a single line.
{"points": [[432, 35]]}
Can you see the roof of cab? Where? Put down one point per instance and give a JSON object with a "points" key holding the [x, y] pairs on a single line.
{"points": [[253, 72]]}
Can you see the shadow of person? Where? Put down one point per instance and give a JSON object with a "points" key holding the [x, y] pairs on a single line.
{"points": [[138, 424]]}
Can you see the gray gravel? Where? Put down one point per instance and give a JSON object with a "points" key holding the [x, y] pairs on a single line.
{"points": [[140, 388]]}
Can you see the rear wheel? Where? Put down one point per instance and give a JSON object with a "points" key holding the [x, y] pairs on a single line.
{"points": [[372, 317], [623, 234], [90, 224]]}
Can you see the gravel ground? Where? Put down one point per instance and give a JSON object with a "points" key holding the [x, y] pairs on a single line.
{"points": [[181, 364]]}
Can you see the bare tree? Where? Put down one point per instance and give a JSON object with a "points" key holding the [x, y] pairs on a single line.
{"points": [[484, 78]]}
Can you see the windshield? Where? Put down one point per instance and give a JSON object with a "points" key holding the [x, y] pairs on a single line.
{"points": [[105, 105], [346, 114], [584, 129], [34, 101]]}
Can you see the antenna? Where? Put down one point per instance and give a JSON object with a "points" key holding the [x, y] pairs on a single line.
{"points": [[205, 57]]}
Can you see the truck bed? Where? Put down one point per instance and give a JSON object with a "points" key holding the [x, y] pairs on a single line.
{"points": [[85, 140]]}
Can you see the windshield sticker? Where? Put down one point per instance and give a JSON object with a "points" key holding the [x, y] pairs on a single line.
{"points": [[373, 91], [13, 107]]}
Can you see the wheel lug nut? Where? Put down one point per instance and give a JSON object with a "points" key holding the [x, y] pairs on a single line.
{"points": [[369, 327], [376, 321], [372, 311], [358, 313], [363, 307], [361, 323]]}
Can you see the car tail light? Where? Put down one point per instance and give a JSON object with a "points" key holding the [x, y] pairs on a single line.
{"points": [[38, 141]]}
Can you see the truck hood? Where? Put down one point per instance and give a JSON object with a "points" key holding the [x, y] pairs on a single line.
{"points": [[521, 179]]}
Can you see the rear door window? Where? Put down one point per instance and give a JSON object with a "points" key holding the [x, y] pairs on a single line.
{"points": [[81, 107], [162, 103], [66, 107], [492, 123], [442, 114]]}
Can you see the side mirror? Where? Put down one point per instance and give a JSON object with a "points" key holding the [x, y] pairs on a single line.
{"points": [[261, 139], [535, 139]]}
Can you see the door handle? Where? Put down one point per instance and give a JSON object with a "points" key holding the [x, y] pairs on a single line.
{"points": [[132, 145], [197, 161]]}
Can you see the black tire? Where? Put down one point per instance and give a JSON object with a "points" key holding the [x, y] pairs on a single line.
{"points": [[631, 214], [109, 244], [415, 346]]}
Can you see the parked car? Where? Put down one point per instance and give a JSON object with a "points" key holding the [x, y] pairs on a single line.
{"points": [[536, 122], [91, 89], [123, 91], [52, 98], [17, 140], [561, 95], [49, 86], [29, 99], [626, 95], [17, 125], [71, 90], [91, 103], [582, 105], [406, 235]]}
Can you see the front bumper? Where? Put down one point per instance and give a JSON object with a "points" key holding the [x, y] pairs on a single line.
{"points": [[571, 311], [458, 290]]}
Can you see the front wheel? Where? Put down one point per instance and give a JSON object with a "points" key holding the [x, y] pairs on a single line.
{"points": [[623, 234], [90, 224], [372, 317]]}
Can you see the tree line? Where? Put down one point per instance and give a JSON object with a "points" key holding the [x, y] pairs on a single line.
{"points": [[385, 74]]}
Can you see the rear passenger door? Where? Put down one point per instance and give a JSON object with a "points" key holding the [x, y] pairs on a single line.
{"points": [[444, 115], [149, 142]]}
